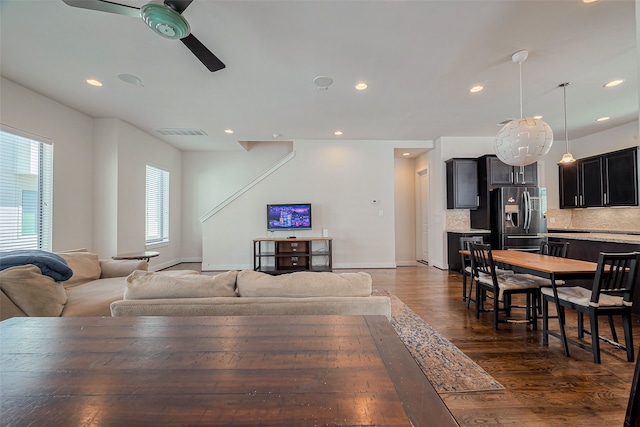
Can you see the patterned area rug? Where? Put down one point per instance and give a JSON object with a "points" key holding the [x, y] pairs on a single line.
{"points": [[445, 365]]}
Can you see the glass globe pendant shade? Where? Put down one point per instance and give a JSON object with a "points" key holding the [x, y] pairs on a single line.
{"points": [[523, 141], [165, 21]]}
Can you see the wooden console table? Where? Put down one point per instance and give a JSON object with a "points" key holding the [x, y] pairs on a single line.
{"points": [[278, 256], [217, 370]]}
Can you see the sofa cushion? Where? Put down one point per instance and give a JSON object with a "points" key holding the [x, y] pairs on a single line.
{"points": [[302, 284], [34, 293], [158, 285], [85, 267], [93, 298]]}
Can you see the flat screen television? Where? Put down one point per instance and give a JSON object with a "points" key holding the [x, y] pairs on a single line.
{"points": [[289, 217]]}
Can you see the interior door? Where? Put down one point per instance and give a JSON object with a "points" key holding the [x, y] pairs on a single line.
{"points": [[424, 215]]}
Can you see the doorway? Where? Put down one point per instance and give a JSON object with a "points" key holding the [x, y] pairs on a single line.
{"points": [[423, 215]]}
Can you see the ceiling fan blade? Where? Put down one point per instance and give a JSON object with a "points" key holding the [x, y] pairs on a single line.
{"points": [[178, 5], [105, 6], [202, 53]]}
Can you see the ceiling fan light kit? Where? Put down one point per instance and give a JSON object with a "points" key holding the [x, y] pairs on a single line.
{"points": [[165, 21], [523, 141]]}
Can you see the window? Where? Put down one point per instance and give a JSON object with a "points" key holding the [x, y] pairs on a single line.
{"points": [[157, 205], [26, 175]]}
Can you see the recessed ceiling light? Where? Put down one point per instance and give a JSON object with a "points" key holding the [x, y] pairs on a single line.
{"points": [[228, 131], [537, 117], [406, 154], [361, 86], [589, 1], [602, 119], [613, 83], [476, 89], [338, 133], [94, 82]]}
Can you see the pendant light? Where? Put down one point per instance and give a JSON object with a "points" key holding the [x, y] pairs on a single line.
{"points": [[525, 140], [567, 157]]}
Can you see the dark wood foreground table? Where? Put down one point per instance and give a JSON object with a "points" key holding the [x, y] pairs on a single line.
{"points": [[231, 371]]}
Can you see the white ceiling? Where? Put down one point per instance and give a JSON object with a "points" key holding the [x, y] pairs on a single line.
{"points": [[419, 58]]}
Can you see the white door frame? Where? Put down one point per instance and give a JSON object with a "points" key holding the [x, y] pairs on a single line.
{"points": [[422, 205]]}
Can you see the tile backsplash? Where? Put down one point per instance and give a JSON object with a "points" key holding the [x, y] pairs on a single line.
{"points": [[595, 219]]}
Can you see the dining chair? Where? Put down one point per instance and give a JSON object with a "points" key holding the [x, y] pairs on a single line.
{"points": [[465, 261], [501, 286], [610, 295], [559, 249], [632, 417]]}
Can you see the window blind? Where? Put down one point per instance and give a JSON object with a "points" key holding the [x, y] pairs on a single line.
{"points": [[157, 205], [26, 190]]}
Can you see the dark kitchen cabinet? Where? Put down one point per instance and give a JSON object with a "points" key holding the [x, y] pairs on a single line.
{"points": [[462, 183], [501, 174], [605, 180], [621, 183], [569, 185], [591, 182]]}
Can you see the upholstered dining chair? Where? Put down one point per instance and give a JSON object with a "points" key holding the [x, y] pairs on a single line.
{"points": [[501, 286], [465, 262], [610, 295]]}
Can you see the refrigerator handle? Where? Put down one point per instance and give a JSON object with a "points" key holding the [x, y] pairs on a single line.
{"points": [[527, 209]]}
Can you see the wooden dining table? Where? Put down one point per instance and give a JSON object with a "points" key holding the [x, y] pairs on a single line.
{"points": [[301, 370], [549, 267]]}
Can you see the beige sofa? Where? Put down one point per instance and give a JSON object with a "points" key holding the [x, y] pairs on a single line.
{"points": [[249, 293], [94, 285]]}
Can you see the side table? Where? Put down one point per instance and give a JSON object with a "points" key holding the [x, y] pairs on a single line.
{"points": [[145, 255]]}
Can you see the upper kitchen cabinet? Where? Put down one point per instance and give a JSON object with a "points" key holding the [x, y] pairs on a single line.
{"points": [[500, 174], [462, 183], [605, 180], [621, 183]]}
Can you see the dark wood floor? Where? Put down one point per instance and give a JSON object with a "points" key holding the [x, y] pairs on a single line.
{"points": [[542, 386]]}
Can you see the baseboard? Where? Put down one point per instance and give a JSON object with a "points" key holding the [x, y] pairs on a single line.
{"points": [[366, 265], [167, 264], [406, 263], [191, 259], [225, 267]]}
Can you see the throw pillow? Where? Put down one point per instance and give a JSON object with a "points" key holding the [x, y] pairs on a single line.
{"points": [[150, 285], [34, 293], [85, 267]]}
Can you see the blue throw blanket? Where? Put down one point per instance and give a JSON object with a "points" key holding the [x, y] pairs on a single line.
{"points": [[50, 264]]}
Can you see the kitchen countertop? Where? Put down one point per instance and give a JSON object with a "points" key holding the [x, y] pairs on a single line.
{"points": [[633, 239], [468, 231], [581, 230]]}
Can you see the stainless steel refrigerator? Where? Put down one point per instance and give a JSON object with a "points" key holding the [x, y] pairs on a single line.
{"points": [[518, 214]]}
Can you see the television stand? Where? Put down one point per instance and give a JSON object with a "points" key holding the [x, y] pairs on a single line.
{"points": [[279, 256]]}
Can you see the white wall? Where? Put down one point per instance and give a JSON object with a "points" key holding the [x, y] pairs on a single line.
{"points": [[211, 177], [72, 135], [98, 175], [340, 179]]}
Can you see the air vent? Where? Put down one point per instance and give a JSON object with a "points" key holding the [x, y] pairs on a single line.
{"points": [[181, 132]]}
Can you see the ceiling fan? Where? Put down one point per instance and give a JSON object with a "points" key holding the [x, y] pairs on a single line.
{"points": [[164, 19]]}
